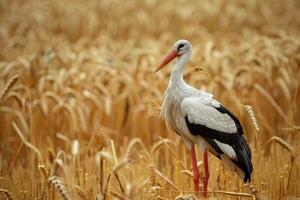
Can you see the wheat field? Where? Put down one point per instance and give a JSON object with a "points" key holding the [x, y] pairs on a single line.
{"points": [[79, 102]]}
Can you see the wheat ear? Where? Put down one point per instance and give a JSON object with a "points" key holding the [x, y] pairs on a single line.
{"points": [[80, 192], [186, 197], [7, 195], [282, 143], [8, 85], [251, 114], [28, 144], [60, 187]]}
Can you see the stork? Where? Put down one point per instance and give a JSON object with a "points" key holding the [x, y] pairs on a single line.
{"points": [[200, 119]]}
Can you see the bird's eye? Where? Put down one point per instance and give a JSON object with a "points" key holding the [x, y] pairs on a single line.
{"points": [[180, 46]]}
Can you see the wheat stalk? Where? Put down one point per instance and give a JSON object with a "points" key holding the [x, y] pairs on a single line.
{"points": [[112, 144], [271, 101], [14, 160], [75, 148], [80, 192], [282, 143], [103, 154], [28, 144], [16, 96], [45, 171], [8, 85], [59, 186], [160, 143], [166, 142], [136, 141], [118, 195], [251, 114], [20, 116], [240, 194], [115, 170], [186, 197], [51, 155], [153, 192], [99, 197], [7, 195], [152, 176], [58, 162], [167, 180], [120, 165]]}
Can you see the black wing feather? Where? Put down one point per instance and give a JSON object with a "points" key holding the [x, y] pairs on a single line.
{"points": [[235, 140]]}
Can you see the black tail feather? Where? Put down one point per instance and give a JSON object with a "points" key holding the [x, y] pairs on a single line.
{"points": [[244, 158]]}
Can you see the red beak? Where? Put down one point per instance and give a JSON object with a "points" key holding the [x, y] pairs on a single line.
{"points": [[173, 54]]}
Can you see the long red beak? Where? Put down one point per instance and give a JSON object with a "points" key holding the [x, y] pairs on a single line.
{"points": [[173, 54]]}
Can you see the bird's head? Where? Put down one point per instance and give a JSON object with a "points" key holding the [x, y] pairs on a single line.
{"points": [[180, 48]]}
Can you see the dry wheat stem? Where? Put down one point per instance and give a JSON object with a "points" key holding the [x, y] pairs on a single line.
{"points": [[158, 144], [292, 128], [80, 192], [45, 171], [186, 197], [134, 142], [60, 187], [106, 186], [282, 143], [28, 144], [234, 193], [20, 116], [99, 197], [58, 162], [187, 172], [120, 165], [293, 158], [112, 144], [167, 180], [118, 195], [119, 181], [75, 148], [271, 101], [7, 195], [8, 85], [103, 154], [203, 68], [14, 160], [152, 177], [251, 114], [115, 170], [165, 142]]}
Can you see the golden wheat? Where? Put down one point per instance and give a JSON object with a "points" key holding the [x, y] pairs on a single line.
{"points": [[186, 197], [80, 192], [6, 194], [59, 186], [8, 85], [80, 102]]}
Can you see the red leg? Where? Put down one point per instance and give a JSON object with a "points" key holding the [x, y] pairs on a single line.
{"points": [[195, 169], [206, 173]]}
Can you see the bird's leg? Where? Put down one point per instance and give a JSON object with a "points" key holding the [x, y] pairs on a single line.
{"points": [[195, 169], [206, 173]]}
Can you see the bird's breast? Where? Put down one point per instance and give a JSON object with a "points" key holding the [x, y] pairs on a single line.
{"points": [[171, 112]]}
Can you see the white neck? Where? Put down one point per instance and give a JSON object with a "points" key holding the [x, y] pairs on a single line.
{"points": [[177, 72]]}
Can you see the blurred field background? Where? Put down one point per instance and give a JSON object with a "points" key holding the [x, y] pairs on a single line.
{"points": [[79, 107]]}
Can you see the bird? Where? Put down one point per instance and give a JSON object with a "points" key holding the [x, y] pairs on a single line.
{"points": [[202, 120]]}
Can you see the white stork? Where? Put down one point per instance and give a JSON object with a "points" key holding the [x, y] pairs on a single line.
{"points": [[200, 119]]}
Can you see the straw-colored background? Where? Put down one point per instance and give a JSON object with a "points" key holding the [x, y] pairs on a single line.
{"points": [[79, 110]]}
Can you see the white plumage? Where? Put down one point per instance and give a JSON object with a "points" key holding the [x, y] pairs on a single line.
{"points": [[227, 149], [201, 111]]}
